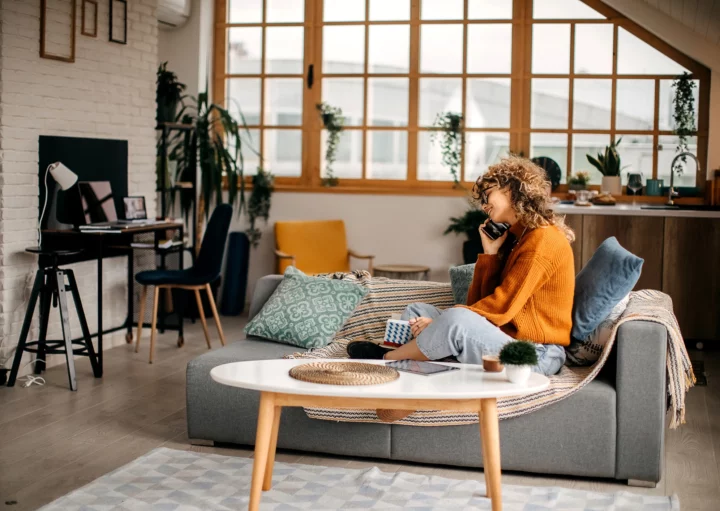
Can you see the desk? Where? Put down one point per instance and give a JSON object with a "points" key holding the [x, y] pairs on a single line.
{"points": [[96, 242]]}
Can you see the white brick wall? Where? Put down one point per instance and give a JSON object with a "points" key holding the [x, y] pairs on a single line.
{"points": [[108, 92]]}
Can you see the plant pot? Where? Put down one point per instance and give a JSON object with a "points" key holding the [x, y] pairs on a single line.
{"points": [[327, 119], [166, 111], [471, 249], [612, 185], [517, 374], [576, 187]]}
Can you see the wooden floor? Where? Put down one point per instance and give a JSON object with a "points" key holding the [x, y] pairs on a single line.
{"points": [[53, 440]]}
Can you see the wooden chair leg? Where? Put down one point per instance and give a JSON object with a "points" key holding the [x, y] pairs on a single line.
{"points": [[141, 317], [153, 328], [201, 312], [215, 314]]}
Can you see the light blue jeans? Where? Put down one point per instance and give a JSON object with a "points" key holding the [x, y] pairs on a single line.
{"points": [[468, 336]]}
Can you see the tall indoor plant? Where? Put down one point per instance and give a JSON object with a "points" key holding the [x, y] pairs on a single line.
{"points": [[219, 142], [469, 224], [609, 165], [333, 121], [449, 128], [683, 115], [258, 205], [168, 94]]}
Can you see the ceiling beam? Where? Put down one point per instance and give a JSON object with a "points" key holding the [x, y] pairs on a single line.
{"points": [[673, 31]]}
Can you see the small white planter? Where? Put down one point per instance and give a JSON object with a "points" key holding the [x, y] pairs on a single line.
{"points": [[612, 185], [517, 374]]}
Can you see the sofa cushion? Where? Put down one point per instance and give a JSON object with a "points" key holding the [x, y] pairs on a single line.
{"points": [[610, 274], [306, 311], [460, 280]]}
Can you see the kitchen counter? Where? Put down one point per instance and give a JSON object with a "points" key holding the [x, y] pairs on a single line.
{"points": [[635, 210]]}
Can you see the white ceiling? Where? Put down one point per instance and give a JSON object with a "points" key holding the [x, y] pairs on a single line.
{"points": [[700, 16]]}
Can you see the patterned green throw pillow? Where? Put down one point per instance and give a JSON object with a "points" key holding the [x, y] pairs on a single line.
{"points": [[306, 311]]}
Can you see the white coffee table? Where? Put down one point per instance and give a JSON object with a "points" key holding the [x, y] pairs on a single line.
{"points": [[470, 389]]}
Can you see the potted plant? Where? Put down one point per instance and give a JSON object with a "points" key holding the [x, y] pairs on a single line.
{"points": [[449, 126], [518, 357], [469, 225], [683, 115], [258, 205], [579, 181], [168, 94], [608, 163], [333, 121]]}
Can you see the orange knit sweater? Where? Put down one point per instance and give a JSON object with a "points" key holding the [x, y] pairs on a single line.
{"points": [[529, 295]]}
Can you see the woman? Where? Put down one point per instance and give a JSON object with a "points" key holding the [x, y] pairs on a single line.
{"points": [[522, 287]]}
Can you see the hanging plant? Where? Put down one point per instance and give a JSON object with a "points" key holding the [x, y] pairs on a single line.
{"points": [[333, 121], [683, 114], [258, 205], [449, 126]]}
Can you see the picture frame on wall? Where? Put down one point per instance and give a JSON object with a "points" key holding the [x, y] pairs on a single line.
{"points": [[58, 20], [89, 16], [118, 21]]}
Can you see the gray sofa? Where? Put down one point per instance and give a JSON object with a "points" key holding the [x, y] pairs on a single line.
{"points": [[613, 428]]}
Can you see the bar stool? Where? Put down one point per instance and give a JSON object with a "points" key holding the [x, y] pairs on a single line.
{"points": [[51, 288]]}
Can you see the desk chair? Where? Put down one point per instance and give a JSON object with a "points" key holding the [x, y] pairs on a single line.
{"points": [[205, 271], [314, 247]]}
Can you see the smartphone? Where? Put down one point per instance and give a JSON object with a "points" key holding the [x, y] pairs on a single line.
{"points": [[494, 230]]}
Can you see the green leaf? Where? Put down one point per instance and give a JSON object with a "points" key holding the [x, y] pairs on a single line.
{"points": [[595, 163]]}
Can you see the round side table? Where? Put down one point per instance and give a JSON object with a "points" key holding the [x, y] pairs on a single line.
{"points": [[402, 271]]}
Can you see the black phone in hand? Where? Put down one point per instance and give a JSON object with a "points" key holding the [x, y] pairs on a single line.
{"points": [[494, 230]]}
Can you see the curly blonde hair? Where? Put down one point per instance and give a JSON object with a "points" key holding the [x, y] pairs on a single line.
{"points": [[529, 192]]}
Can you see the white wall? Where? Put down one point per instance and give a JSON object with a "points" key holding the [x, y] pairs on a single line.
{"points": [[108, 92], [396, 229]]}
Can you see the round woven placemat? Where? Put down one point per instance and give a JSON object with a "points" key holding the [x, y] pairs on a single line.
{"points": [[344, 373]]}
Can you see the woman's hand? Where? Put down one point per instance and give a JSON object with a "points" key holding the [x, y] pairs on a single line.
{"points": [[491, 247], [417, 325]]}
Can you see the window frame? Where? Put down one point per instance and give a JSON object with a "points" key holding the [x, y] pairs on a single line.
{"points": [[520, 76]]}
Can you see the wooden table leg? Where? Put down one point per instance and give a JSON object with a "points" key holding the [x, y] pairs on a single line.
{"points": [[262, 447], [485, 458], [491, 447], [267, 482]]}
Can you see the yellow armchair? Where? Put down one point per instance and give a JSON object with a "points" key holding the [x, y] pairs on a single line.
{"points": [[314, 247]]}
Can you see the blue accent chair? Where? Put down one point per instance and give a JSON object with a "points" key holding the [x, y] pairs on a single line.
{"points": [[204, 272]]}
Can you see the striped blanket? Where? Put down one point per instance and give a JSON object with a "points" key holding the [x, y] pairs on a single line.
{"points": [[392, 296]]}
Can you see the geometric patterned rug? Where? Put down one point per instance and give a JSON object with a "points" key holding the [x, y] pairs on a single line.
{"points": [[169, 480]]}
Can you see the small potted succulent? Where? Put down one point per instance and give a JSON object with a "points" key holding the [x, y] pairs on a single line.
{"points": [[518, 357], [579, 181]]}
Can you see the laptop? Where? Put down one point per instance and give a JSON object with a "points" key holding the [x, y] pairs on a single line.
{"points": [[98, 206]]}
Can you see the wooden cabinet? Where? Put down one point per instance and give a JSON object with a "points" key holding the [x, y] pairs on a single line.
{"points": [[691, 274], [641, 235], [682, 259]]}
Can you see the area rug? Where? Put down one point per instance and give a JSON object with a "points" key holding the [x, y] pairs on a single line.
{"points": [[169, 479]]}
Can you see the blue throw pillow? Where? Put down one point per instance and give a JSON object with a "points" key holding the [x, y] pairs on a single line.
{"points": [[460, 280], [609, 275]]}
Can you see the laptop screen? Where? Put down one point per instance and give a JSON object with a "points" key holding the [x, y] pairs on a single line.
{"points": [[97, 201]]}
